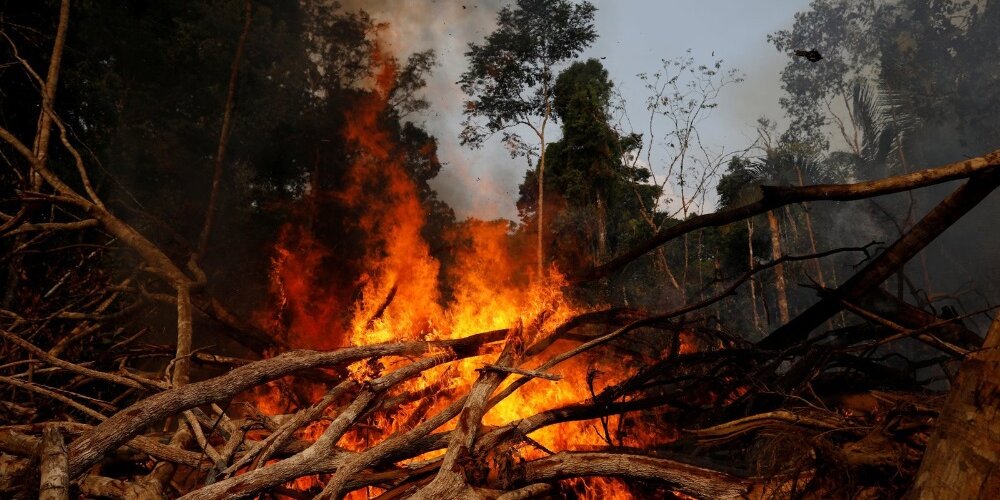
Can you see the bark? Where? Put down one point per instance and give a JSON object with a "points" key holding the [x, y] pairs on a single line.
{"points": [[261, 452], [94, 486], [14, 471], [321, 457], [541, 191], [781, 295], [777, 419], [54, 467], [40, 148], [809, 231], [890, 307], [87, 372], [753, 285], [182, 360], [452, 480], [689, 479], [940, 218], [962, 459], [540, 490], [26, 446]]}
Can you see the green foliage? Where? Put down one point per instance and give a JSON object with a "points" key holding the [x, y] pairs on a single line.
{"points": [[920, 65], [920, 88], [510, 75], [596, 195], [841, 31]]}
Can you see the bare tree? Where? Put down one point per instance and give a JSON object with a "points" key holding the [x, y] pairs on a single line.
{"points": [[682, 97]]}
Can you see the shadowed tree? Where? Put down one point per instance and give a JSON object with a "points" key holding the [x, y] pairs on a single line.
{"points": [[593, 209]]}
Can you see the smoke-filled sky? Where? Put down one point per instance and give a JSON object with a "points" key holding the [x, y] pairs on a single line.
{"points": [[634, 36]]}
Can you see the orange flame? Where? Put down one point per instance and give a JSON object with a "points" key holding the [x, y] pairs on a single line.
{"points": [[401, 299]]}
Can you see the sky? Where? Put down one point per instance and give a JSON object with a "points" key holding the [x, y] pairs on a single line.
{"points": [[634, 36]]}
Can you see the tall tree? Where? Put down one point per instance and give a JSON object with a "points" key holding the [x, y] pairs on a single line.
{"points": [[510, 78], [591, 204]]}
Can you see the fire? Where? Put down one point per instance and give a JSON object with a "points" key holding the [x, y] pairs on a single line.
{"points": [[401, 298]]}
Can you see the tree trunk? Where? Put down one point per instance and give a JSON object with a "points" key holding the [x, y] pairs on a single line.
{"points": [[54, 466], [661, 256], [541, 186], [602, 231], [811, 233], [779, 270], [227, 113], [962, 459], [41, 144], [753, 287], [182, 361], [541, 212]]}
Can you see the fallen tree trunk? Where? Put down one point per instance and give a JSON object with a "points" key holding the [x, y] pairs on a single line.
{"points": [[963, 455], [697, 481], [940, 218], [778, 196]]}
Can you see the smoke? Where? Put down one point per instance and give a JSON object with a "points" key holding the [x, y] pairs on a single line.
{"points": [[470, 182]]}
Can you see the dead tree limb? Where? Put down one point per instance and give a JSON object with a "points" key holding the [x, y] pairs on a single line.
{"points": [[87, 372], [451, 478], [697, 481], [940, 218], [126, 424], [54, 466], [889, 306], [323, 459], [777, 196]]}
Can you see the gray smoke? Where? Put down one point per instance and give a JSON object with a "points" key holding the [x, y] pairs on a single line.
{"points": [[470, 181]]}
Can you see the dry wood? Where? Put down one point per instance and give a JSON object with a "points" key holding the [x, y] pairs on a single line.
{"points": [[519, 371], [54, 467], [126, 424], [963, 455], [778, 196], [697, 481], [940, 218], [734, 428], [321, 456], [716, 387], [451, 479]]}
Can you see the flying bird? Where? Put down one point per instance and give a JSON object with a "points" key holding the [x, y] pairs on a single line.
{"points": [[810, 55]]}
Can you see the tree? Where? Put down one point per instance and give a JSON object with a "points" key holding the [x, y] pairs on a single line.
{"points": [[682, 96], [592, 207], [510, 78], [914, 90]]}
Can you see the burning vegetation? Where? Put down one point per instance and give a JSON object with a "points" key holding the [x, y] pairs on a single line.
{"points": [[270, 300]]}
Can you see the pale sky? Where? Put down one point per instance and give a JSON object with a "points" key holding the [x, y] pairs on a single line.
{"points": [[634, 36]]}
